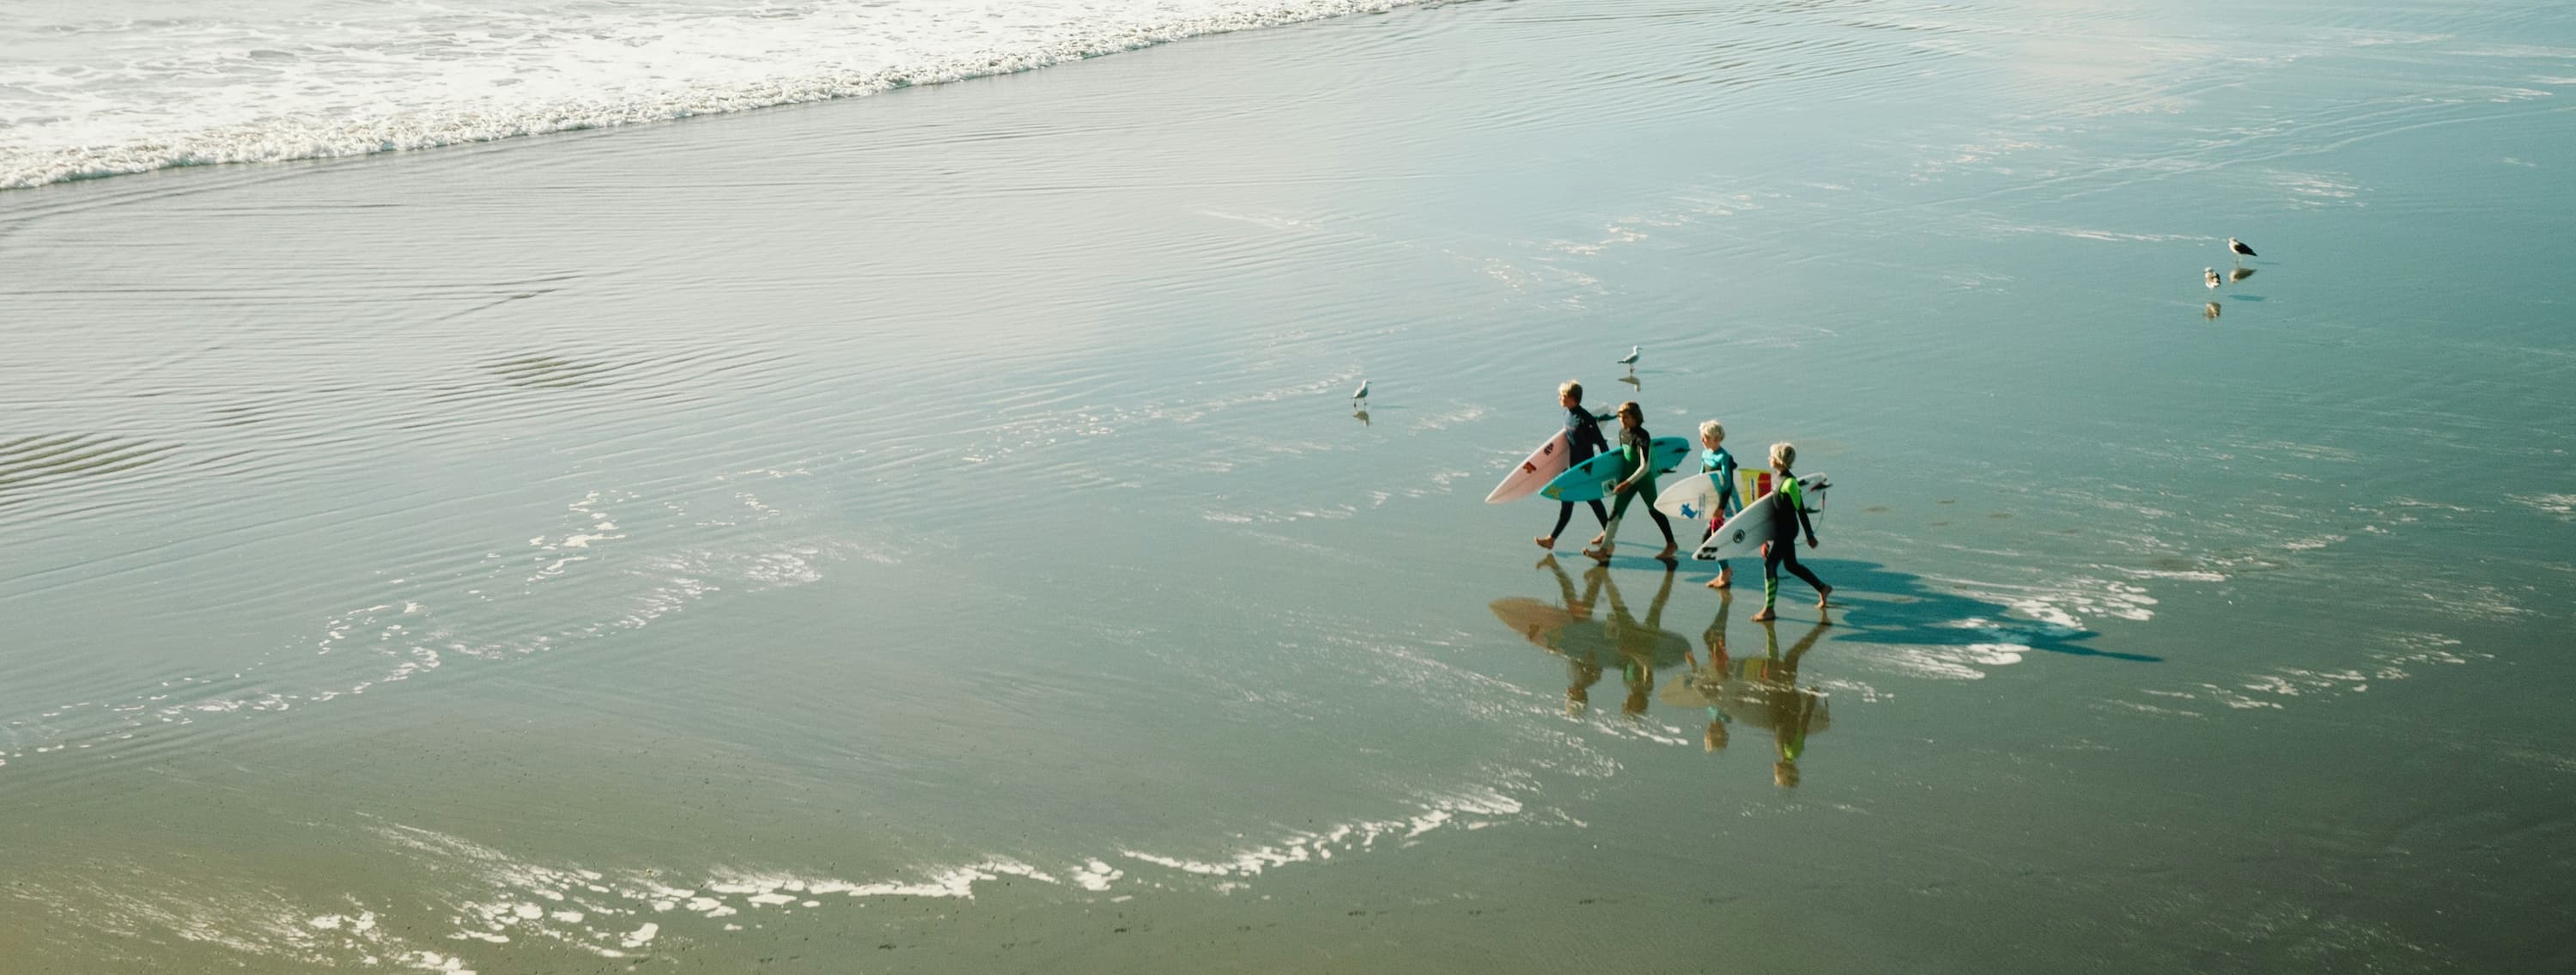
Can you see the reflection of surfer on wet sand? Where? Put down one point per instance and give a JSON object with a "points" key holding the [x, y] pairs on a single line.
{"points": [[1792, 712], [1638, 642], [1703, 688], [1759, 693], [1591, 646]]}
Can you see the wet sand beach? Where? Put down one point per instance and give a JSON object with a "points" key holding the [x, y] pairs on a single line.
{"points": [[930, 532]]}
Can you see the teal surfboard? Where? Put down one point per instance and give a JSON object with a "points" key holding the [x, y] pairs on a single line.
{"points": [[1593, 479]]}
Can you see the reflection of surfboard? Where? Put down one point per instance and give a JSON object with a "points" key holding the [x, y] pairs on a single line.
{"points": [[1701, 688], [1592, 479], [1745, 695], [1601, 641], [1759, 706], [1742, 536], [1542, 465], [1535, 621], [1655, 648], [1763, 692]]}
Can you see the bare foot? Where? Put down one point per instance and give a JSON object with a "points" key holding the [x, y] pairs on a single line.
{"points": [[1667, 554], [1596, 540], [1601, 554], [1545, 541], [1725, 578], [1822, 595], [1765, 616]]}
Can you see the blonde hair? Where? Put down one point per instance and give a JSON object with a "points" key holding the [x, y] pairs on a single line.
{"points": [[1712, 428], [1783, 455], [1570, 388]]}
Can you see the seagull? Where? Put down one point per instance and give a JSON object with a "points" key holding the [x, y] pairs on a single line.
{"points": [[2238, 248], [2209, 276], [1359, 397], [1629, 360]]}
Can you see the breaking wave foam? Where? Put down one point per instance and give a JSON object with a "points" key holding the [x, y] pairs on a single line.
{"points": [[131, 86]]}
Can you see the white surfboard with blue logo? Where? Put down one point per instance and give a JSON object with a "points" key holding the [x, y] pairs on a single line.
{"points": [[1742, 536], [1692, 499]]}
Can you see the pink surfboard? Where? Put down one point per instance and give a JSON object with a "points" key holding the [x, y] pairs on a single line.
{"points": [[1542, 466]]}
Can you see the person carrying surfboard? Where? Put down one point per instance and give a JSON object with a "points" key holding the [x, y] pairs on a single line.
{"points": [[1788, 520], [1637, 452], [1716, 462], [1582, 440]]}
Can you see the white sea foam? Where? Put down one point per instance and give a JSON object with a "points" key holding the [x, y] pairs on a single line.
{"points": [[127, 86]]}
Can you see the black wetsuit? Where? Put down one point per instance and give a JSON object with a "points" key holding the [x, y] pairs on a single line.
{"points": [[1582, 440], [1787, 523]]}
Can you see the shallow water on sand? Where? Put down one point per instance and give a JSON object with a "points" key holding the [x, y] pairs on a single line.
{"points": [[929, 532]]}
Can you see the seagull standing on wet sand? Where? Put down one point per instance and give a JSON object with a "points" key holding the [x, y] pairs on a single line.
{"points": [[1629, 360], [1359, 397], [2209, 276], [2238, 248]]}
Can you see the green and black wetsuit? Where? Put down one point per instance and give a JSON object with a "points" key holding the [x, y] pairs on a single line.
{"points": [[1636, 449], [1788, 522]]}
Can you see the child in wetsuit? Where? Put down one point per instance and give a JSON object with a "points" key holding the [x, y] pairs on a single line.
{"points": [[1715, 461], [1637, 452], [1582, 440], [1787, 524]]}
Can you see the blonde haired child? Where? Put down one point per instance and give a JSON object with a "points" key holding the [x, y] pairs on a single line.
{"points": [[1582, 440], [1716, 462], [1788, 521]]}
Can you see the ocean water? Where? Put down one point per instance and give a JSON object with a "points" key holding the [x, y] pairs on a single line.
{"points": [[930, 532]]}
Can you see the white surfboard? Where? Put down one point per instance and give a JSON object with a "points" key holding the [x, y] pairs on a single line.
{"points": [[1695, 498], [1542, 466], [1692, 499], [1742, 536]]}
